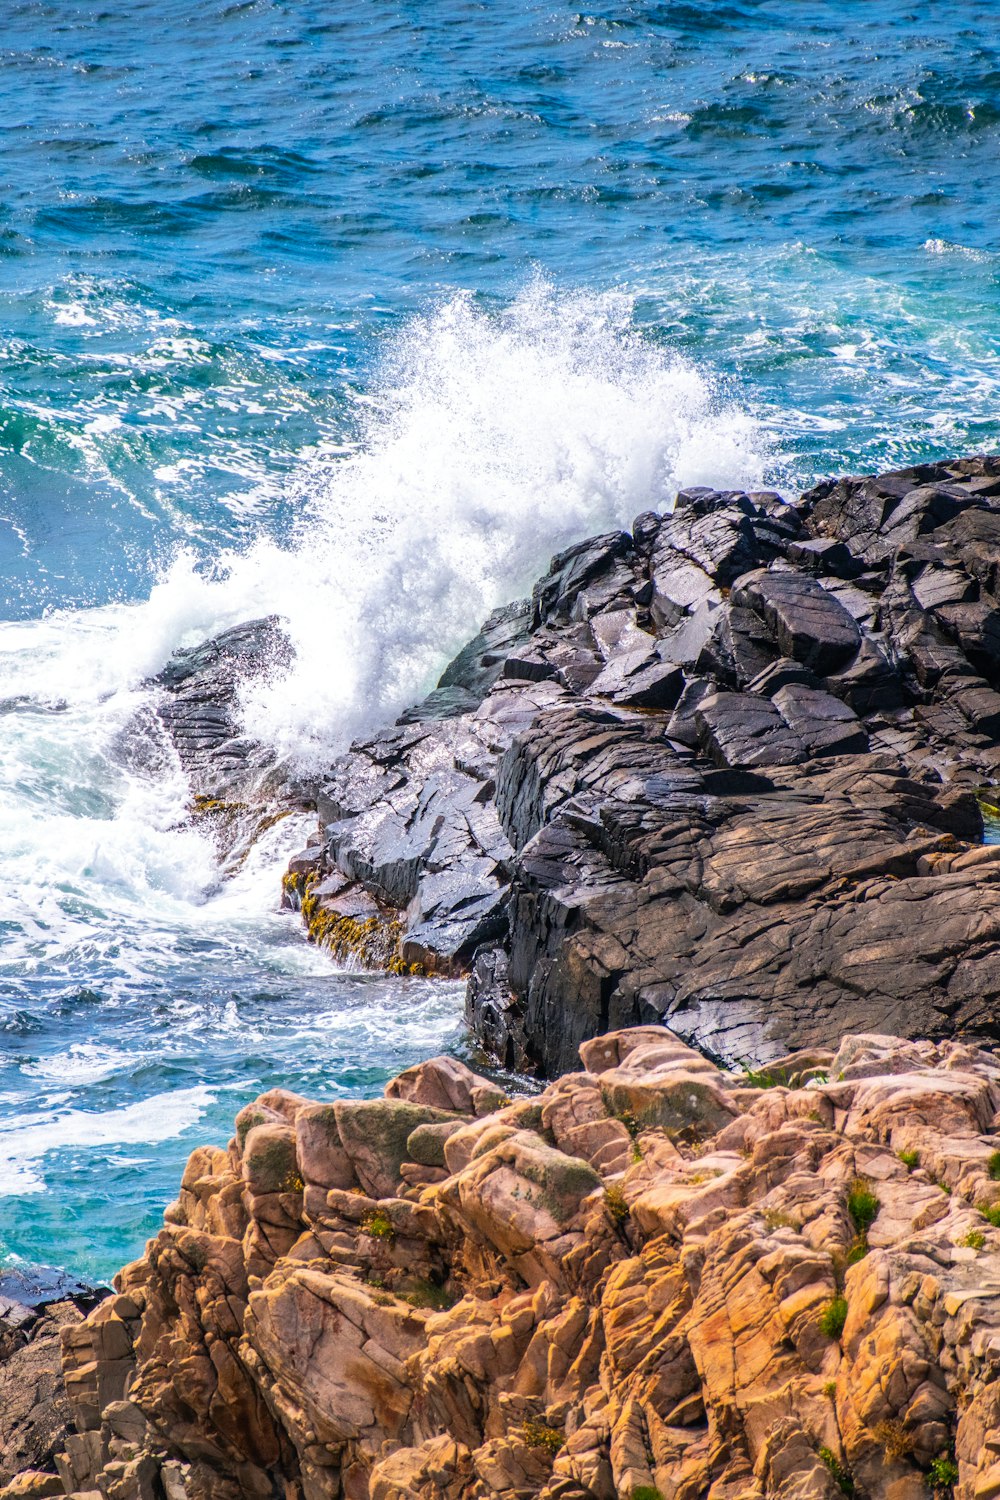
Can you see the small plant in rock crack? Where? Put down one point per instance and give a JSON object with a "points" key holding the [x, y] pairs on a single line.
{"points": [[614, 1202], [833, 1317], [910, 1159], [862, 1205], [538, 1434], [761, 1078], [942, 1476], [857, 1250], [893, 1438], [378, 1226], [841, 1474], [993, 1166]]}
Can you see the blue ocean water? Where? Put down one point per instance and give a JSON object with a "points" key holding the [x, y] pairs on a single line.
{"points": [[358, 316]]}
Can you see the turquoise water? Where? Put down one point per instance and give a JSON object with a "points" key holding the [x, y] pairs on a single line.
{"points": [[358, 318]]}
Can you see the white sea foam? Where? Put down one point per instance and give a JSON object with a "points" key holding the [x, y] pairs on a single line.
{"points": [[82, 1063], [24, 1142], [949, 247], [486, 441]]}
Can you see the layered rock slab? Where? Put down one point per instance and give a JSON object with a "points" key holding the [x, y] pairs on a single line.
{"points": [[742, 674], [806, 690]]}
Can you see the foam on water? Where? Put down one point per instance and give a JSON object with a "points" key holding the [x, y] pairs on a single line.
{"points": [[26, 1141]]}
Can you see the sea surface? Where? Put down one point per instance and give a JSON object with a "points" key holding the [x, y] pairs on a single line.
{"points": [[357, 314]]}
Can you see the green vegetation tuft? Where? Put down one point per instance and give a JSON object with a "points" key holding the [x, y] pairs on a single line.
{"points": [[862, 1205], [840, 1473], [647, 1492], [942, 1476], [993, 1166], [378, 1226], [991, 1213], [538, 1434], [761, 1078], [910, 1159], [974, 1240], [833, 1317]]}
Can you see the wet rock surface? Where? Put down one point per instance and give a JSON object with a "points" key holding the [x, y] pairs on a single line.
{"points": [[35, 1306], [655, 1277], [718, 771], [239, 789]]}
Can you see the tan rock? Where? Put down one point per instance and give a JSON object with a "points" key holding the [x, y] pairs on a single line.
{"points": [[632, 1280]]}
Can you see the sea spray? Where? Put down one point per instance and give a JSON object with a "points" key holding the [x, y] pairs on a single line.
{"points": [[487, 441]]}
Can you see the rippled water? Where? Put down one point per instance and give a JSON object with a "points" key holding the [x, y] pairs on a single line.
{"points": [[358, 317]]}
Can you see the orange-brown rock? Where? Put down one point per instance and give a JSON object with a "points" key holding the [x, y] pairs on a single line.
{"points": [[653, 1278]]}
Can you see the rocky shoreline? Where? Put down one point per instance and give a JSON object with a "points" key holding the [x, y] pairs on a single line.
{"points": [[719, 772], [706, 814], [654, 1279]]}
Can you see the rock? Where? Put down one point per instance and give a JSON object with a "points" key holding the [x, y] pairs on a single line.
{"points": [[36, 1304], [740, 729], [708, 773], [374, 1134], [442, 1082], [791, 1298], [823, 724], [807, 621]]}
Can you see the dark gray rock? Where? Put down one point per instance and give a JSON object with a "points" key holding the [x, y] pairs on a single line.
{"points": [[719, 771], [806, 620], [35, 1305], [824, 724], [742, 729]]}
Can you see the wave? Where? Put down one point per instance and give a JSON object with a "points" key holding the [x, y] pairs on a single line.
{"points": [[25, 1141], [488, 440]]}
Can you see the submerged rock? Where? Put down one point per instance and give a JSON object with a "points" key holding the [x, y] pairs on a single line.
{"points": [[655, 1277]]}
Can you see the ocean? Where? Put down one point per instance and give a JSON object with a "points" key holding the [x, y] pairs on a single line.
{"points": [[358, 317]]}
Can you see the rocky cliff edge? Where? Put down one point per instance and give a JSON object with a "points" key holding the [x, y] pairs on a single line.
{"points": [[653, 1279], [719, 771]]}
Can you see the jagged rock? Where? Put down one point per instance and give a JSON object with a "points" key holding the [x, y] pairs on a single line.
{"points": [[553, 819], [35, 1305], [794, 1298]]}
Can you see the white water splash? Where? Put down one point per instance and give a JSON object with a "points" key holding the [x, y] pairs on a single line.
{"points": [[487, 442]]}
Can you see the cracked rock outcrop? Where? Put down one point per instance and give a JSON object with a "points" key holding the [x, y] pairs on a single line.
{"points": [[719, 771], [655, 1278]]}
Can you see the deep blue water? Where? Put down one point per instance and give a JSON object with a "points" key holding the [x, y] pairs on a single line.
{"points": [[358, 315]]}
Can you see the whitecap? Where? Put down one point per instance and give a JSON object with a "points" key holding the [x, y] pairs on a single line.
{"points": [[25, 1142]]}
